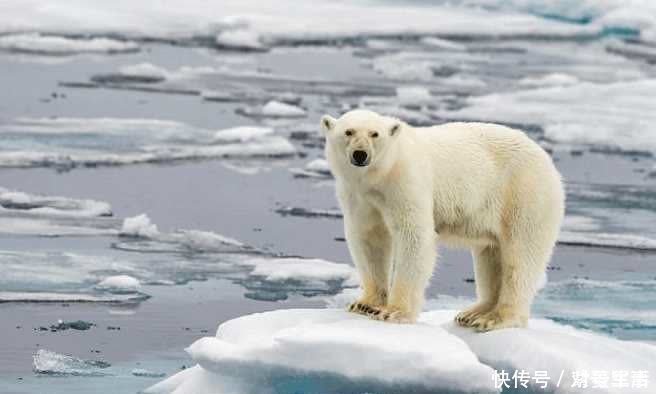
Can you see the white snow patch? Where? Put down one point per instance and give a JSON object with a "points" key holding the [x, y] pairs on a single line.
{"points": [[144, 70], [242, 133], [56, 45], [120, 284], [278, 109], [553, 79]]}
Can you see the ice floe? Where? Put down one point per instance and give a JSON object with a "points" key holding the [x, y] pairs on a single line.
{"points": [[317, 168], [338, 352], [245, 24], [11, 200], [47, 362], [579, 113], [303, 270], [120, 284], [274, 109], [113, 141], [331, 351], [57, 45]]}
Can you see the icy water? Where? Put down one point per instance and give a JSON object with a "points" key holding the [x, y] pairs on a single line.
{"points": [[243, 220]]}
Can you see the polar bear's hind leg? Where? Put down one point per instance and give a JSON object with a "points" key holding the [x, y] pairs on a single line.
{"points": [[487, 266]]}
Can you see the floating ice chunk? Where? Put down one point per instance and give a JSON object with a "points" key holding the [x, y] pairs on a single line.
{"points": [[579, 113], [51, 363], [317, 168], [278, 109], [330, 351], [553, 79], [50, 227], [413, 95], [318, 165], [240, 39], [301, 269], [56, 45], [39, 297], [547, 346], [610, 240], [310, 213], [140, 372], [120, 284], [274, 21], [52, 205], [144, 72], [140, 141], [139, 226], [242, 133], [440, 43]]}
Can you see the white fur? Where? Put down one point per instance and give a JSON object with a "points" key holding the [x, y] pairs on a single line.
{"points": [[482, 186]]}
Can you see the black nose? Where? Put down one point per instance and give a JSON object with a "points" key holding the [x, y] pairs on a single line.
{"points": [[359, 157]]}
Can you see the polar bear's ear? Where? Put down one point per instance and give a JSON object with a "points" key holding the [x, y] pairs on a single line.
{"points": [[396, 127], [327, 123]]}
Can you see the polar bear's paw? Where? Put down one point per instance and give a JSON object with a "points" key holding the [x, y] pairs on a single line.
{"points": [[468, 315], [363, 308], [497, 318], [393, 315]]}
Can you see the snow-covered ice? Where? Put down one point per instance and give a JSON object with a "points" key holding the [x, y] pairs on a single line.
{"points": [[277, 109], [242, 133], [120, 284], [56, 45], [339, 352], [138, 141], [250, 22], [579, 113], [50, 363], [331, 351], [27, 203], [317, 168], [302, 269]]}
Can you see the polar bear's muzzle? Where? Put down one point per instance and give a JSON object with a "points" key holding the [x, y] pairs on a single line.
{"points": [[360, 158]]}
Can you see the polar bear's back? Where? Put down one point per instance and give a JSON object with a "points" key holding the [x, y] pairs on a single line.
{"points": [[476, 163]]}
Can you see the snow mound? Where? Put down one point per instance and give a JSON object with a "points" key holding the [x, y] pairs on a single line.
{"points": [[56, 45], [332, 351], [120, 284], [51, 363], [139, 226], [278, 109]]}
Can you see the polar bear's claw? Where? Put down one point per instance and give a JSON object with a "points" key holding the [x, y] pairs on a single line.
{"points": [[496, 319], [393, 316], [363, 309]]}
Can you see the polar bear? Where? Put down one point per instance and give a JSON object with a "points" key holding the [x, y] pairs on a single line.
{"points": [[482, 186]]}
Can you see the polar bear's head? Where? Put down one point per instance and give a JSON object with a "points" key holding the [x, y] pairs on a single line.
{"points": [[360, 137]]}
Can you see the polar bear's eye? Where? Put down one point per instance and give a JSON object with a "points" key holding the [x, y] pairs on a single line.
{"points": [[374, 134], [349, 133]]}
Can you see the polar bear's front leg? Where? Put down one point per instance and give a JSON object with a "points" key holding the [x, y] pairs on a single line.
{"points": [[370, 248], [414, 254]]}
